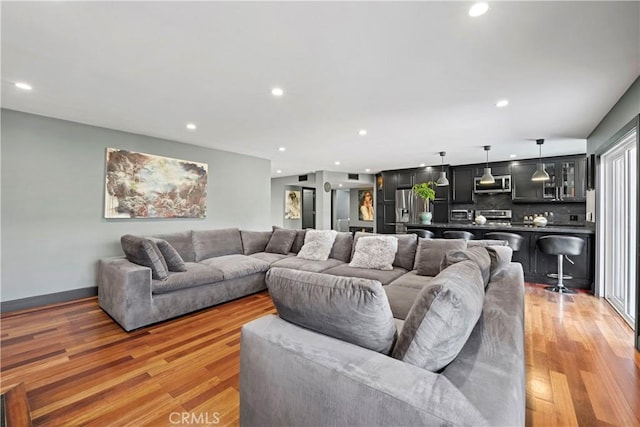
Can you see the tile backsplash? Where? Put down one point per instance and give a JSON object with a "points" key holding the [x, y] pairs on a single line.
{"points": [[562, 212]]}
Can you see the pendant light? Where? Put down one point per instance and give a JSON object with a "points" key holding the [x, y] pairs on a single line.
{"points": [[540, 174], [442, 181], [487, 178]]}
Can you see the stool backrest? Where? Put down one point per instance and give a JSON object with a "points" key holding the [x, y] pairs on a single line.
{"points": [[458, 234], [425, 234], [514, 240]]}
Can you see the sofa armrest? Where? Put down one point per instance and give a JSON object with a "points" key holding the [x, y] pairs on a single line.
{"points": [[124, 291], [292, 376]]}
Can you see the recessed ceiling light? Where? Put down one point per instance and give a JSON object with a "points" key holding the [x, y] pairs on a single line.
{"points": [[362, 132], [339, 185], [502, 103], [336, 163], [282, 149], [513, 156], [367, 170], [278, 171], [276, 91], [191, 126], [23, 86], [422, 165], [478, 9]]}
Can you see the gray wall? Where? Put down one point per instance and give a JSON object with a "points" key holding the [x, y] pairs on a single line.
{"points": [[53, 178], [622, 113]]}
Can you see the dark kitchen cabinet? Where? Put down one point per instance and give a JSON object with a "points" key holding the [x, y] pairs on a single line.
{"points": [[389, 186], [566, 184], [431, 173], [462, 185], [440, 211], [522, 188], [406, 179]]}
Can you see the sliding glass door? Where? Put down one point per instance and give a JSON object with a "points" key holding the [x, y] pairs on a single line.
{"points": [[618, 232]]}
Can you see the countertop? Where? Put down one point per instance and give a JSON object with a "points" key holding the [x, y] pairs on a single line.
{"points": [[551, 228]]}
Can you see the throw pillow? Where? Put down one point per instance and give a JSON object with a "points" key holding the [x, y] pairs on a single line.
{"points": [[348, 308], [281, 241], [144, 252], [317, 244], [172, 258], [341, 249], [407, 245], [477, 254], [298, 242], [442, 318], [376, 252], [500, 258], [430, 253]]}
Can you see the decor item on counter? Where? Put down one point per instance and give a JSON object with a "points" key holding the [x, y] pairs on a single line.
{"points": [[292, 204], [487, 178], [442, 180], [540, 174], [425, 191], [480, 220], [139, 185], [540, 221], [366, 205]]}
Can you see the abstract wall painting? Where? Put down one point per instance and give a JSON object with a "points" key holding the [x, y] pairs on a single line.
{"points": [[291, 204], [142, 185]]}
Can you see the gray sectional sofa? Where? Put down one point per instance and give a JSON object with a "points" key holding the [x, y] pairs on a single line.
{"points": [[325, 358]]}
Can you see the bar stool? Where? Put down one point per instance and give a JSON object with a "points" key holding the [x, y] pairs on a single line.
{"points": [[514, 241], [457, 234], [425, 234], [560, 246]]}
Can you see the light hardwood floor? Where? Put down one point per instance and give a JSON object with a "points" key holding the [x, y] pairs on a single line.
{"points": [[79, 367]]}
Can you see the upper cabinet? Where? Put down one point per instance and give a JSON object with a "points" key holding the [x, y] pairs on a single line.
{"points": [[566, 181], [462, 184]]}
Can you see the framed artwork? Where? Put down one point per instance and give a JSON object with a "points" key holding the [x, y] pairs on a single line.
{"points": [[139, 185], [365, 202], [291, 204]]}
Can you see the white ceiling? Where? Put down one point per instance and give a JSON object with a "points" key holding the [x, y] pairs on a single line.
{"points": [[421, 77]]}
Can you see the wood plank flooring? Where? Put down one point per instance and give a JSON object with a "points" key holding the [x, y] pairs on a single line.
{"points": [[80, 368]]}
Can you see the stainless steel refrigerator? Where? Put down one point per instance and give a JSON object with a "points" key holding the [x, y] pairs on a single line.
{"points": [[406, 209]]}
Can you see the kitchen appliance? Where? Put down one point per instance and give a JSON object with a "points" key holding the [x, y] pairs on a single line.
{"points": [[498, 217], [502, 184], [461, 215], [406, 209]]}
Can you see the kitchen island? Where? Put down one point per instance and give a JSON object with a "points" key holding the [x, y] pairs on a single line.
{"points": [[536, 265]]}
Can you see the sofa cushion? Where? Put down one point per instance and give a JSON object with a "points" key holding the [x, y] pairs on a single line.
{"points": [[196, 275], [233, 266], [182, 242], [254, 241], [317, 244], [297, 263], [500, 258], [412, 280], [342, 245], [269, 257], [281, 241], [213, 243], [383, 276], [442, 317], [407, 245], [172, 258], [486, 242], [143, 251], [298, 242], [377, 252], [401, 300], [477, 254], [431, 251], [351, 309]]}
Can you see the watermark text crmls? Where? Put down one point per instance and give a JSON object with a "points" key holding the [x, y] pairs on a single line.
{"points": [[194, 418]]}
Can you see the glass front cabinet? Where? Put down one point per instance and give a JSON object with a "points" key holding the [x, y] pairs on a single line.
{"points": [[566, 183]]}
